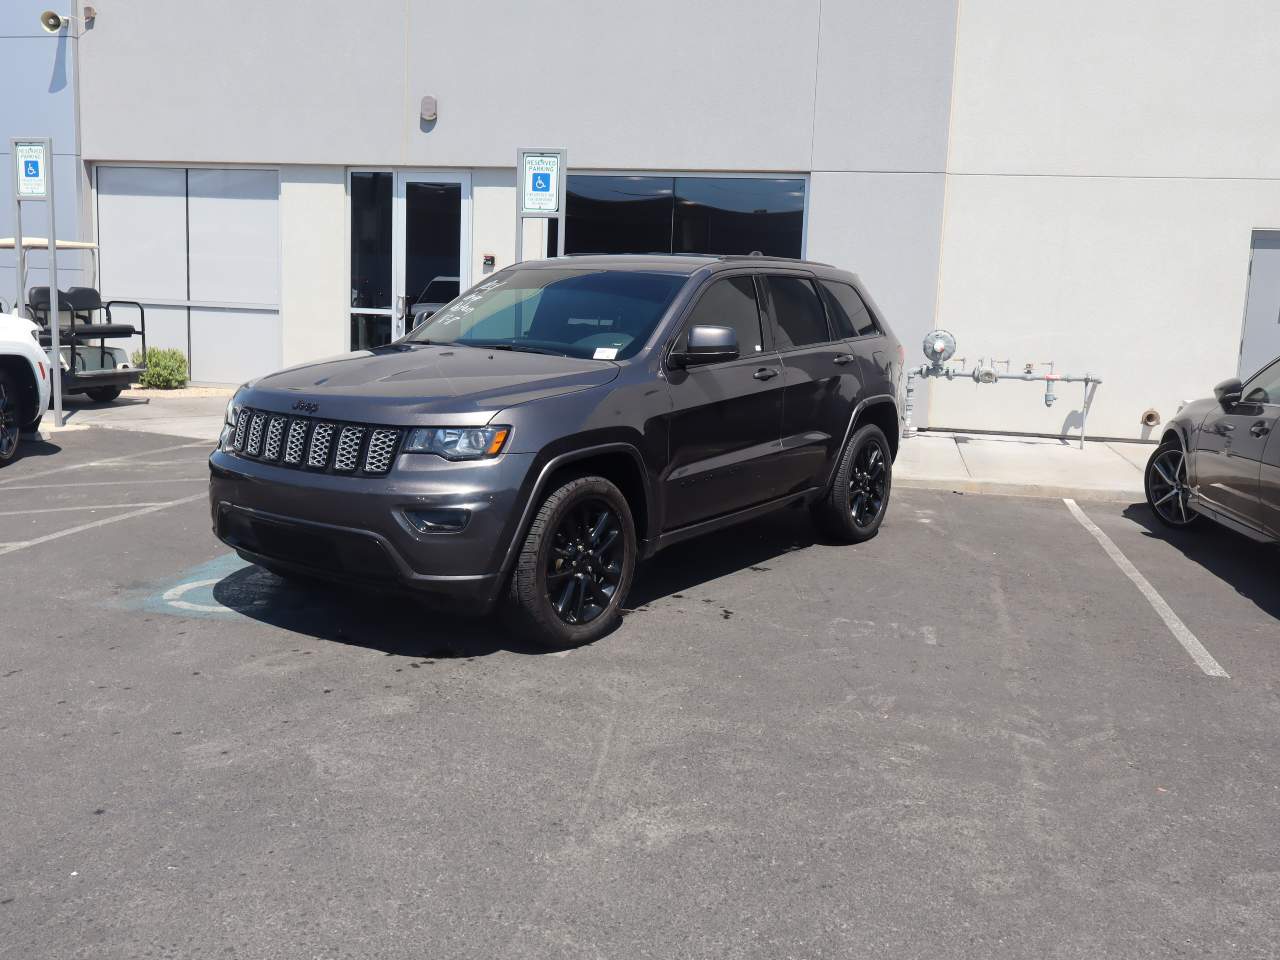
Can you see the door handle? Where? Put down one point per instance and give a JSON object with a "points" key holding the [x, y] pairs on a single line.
{"points": [[1222, 429], [764, 373], [843, 358], [1260, 429]]}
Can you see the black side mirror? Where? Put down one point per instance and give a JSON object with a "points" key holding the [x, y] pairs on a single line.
{"points": [[707, 345], [1228, 392]]}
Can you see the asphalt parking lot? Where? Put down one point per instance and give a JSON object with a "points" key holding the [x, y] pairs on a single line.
{"points": [[974, 736]]}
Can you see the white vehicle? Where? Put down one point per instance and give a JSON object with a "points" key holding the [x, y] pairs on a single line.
{"points": [[24, 381]]}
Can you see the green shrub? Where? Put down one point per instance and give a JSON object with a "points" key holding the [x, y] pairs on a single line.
{"points": [[166, 368]]}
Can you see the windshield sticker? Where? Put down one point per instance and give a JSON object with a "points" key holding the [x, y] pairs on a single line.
{"points": [[605, 353]]}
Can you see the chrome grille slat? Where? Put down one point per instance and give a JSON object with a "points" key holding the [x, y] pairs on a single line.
{"points": [[295, 442], [253, 446], [321, 438], [348, 454], [382, 447], [275, 433], [242, 424]]}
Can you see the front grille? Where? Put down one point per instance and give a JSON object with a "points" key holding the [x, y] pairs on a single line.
{"points": [[321, 445], [348, 454], [382, 447], [253, 446], [275, 432]]}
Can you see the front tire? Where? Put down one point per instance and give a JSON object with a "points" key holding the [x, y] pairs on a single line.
{"points": [[576, 566], [854, 507], [10, 416], [103, 394], [1165, 483]]}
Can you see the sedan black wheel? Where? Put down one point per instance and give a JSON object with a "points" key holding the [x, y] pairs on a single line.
{"points": [[855, 505], [573, 573], [1166, 485], [10, 418]]}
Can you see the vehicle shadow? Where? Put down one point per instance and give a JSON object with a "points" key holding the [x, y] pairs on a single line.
{"points": [[1246, 565], [403, 626], [31, 446]]}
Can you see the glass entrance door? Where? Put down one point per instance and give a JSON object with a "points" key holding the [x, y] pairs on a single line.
{"points": [[410, 249], [432, 242]]}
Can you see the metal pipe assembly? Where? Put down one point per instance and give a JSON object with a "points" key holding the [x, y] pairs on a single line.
{"points": [[940, 346]]}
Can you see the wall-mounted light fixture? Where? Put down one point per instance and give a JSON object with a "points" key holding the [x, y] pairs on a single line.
{"points": [[428, 111]]}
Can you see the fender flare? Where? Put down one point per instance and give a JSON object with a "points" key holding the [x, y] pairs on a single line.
{"points": [[32, 372], [544, 475], [848, 430]]}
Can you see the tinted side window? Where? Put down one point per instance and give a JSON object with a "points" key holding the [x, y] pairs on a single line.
{"points": [[729, 303], [849, 314], [800, 315], [1265, 386]]}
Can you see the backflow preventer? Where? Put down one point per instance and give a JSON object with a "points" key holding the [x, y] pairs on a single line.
{"points": [[940, 346]]}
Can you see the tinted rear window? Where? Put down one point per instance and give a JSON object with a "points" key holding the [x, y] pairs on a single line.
{"points": [[801, 318], [849, 314]]}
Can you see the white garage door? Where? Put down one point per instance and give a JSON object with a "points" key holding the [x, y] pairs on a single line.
{"points": [[199, 248]]}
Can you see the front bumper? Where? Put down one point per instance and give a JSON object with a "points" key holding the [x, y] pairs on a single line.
{"points": [[353, 529]]}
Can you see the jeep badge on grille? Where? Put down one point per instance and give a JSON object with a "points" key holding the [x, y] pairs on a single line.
{"points": [[306, 406]]}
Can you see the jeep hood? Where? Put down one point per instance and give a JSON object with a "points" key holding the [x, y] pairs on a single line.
{"points": [[404, 383]]}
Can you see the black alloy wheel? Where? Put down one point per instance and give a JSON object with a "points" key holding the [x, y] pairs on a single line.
{"points": [[10, 417], [584, 565], [1167, 488], [868, 483], [855, 504], [575, 569]]}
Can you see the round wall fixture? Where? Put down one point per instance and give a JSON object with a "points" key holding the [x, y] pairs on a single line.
{"points": [[1151, 418]]}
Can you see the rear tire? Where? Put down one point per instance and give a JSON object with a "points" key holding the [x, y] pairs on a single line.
{"points": [[33, 426], [576, 566], [853, 509], [1166, 487], [103, 394]]}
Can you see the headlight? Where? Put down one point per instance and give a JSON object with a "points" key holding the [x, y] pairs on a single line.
{"points": [[458, 443], [229, 417]]}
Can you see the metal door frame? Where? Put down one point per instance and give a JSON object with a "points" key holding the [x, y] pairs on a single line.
{"points": [[399, 210]]}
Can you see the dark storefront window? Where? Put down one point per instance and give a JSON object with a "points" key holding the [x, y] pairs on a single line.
{"points": [[718, 215], [738, 215]]}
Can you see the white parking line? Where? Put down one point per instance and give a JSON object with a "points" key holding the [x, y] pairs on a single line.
{"points": [[1171, 620], [22, 545], [106, 462], [90, 506], [105, 483]]}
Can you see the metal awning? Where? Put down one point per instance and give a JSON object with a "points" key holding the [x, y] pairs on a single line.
{"points": [[42, 243]]}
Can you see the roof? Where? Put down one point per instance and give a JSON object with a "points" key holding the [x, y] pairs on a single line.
{"points": [[666, 262]]}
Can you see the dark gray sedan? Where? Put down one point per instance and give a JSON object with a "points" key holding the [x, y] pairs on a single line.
{"points": [[1220, 458]]}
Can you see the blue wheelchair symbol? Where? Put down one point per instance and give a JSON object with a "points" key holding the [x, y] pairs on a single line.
{"points": [[32, 169], [541, 183]]}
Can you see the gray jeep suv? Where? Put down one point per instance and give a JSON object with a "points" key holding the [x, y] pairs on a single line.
{"points": [[538, 436]]}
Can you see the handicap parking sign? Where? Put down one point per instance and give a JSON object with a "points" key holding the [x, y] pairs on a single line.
{"points": [[540, 182], [31, 162]]}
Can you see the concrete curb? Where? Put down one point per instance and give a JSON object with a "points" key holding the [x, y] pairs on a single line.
{"points": [[1033, 490]]}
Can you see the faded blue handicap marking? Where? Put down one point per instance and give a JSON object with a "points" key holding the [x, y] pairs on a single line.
{"points": [[193, 594]]}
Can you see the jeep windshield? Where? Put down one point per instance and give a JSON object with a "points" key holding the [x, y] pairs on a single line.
{"points": [[591, 313]]}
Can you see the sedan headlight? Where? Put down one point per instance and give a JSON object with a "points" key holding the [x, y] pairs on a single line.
{"points": [[458, 443]]}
